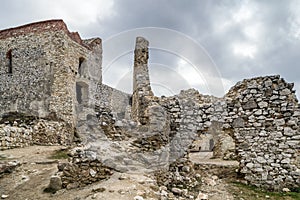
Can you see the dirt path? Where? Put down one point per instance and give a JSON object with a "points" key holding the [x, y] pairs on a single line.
{"points": [[213, 171], [29, 180], [206, 158], [33, 174]]}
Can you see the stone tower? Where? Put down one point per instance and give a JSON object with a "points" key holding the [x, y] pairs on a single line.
{"points": [[141, 81], [40, 66]]}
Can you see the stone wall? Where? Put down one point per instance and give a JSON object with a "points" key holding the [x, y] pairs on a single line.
{"points": [[194, 117], [40, 27], [257, 122], [83, 169], [89, 73], [108, 98], [104, 107], [40, 64], [28, 87], [22, 130], [264, 114], [15, 136], [156, 134]]}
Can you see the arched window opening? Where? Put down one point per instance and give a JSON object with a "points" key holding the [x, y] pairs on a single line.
{"points": [[9, 57]]}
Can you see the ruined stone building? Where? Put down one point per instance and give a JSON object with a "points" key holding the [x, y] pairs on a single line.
{"points": [[49, 72], [51, 92]]}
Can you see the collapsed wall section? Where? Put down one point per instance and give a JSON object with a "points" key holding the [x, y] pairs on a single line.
{"points": [[194, 116], [257, 123], [264, 115]]}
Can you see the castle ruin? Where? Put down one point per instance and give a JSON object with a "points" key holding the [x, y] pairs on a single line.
{"points": [[51, 92]]}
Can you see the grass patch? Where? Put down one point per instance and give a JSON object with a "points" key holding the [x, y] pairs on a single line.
{"points": [[2, 157], [5, 158], [252, 193], [60, 154]]}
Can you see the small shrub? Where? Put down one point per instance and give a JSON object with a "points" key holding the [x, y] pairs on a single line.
{"points": [[60, 154]]}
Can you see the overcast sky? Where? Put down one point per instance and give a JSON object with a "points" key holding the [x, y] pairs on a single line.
{"points": [[205, 44]]}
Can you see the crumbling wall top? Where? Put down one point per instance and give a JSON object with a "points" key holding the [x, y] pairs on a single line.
{"points": [[39, 27]]}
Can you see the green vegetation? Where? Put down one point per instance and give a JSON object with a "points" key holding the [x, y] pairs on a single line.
{"points": [[60, 154], [243, 191], [2, 157]]}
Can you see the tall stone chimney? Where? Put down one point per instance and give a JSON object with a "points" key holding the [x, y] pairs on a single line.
{"points": [[141, 81]]}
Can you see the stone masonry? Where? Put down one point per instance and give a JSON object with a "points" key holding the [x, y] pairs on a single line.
{"points": [[256, 122], [39, 63], [51, 89], [141, 81], [48, 72], [264, 114]]}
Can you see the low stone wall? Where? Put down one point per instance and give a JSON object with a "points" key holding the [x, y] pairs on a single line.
{"points": [[14, 136], [22, 133], [82, 170], [52, 133]]}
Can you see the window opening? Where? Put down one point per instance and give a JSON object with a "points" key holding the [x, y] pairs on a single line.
{"points": [[9, 57], [80, 68]]}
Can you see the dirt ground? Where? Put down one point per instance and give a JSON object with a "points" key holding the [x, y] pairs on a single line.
{"points": [[28, 180]]}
